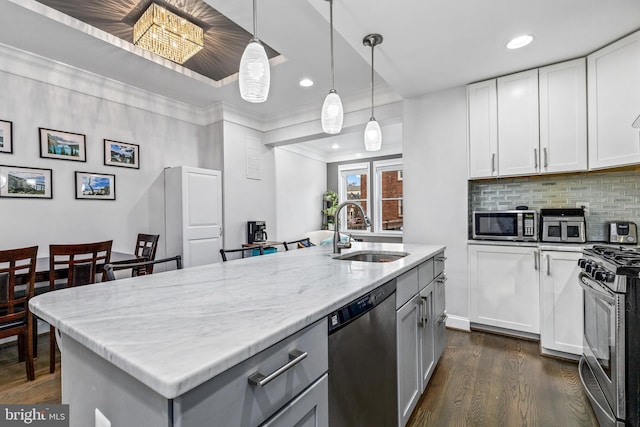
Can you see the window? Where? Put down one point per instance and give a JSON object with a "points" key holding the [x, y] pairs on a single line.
{"points": [[388, 196], [354, 187]]}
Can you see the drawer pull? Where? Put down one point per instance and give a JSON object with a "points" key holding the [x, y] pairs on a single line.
{"points": [[259, 380], [441, 258], [441, 279]]}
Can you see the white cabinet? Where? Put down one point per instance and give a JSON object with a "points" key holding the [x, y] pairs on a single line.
{"points": [[193, 214], [483, 129], [310, 409], [503, 287], [518, 129], [408, 353], [563, 116], [561, 303], [427, 338], [614, 103]]}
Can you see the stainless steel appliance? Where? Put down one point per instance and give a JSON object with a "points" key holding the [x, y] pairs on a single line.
{"points": [[256, 232], [609, 367], [563, 225], [623, 232], [516, 225], [362, 361]]}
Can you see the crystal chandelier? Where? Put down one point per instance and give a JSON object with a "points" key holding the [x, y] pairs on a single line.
{"points": [[167, 34]]}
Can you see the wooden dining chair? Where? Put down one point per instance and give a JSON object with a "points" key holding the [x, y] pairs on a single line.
{"points": [[15, 317], [301, 243], [74, 265], [141, 266], [145, 250], [243, 251]]}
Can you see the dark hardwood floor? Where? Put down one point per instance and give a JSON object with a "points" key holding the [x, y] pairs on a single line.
{"points": [[485, 379], [482, 379]]}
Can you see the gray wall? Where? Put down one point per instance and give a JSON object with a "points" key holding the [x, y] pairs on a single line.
{"points": [[611, 195]]}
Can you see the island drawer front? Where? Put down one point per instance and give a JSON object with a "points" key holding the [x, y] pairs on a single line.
{"points": [[438, 265], [406, 287], [230, 400], [425, 273]]}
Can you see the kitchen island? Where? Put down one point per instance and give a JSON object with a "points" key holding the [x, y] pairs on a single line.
{"points": [[134, 348]]}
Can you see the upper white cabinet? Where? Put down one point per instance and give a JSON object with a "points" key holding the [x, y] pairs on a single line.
{"points": [[518, 130], [563, 116], [614, 103], [529, 123], [483, 129], [503, 287]]}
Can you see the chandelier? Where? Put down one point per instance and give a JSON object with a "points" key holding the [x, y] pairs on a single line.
{"points": [[167, 34]]}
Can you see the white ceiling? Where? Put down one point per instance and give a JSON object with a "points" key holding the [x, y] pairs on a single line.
{"points": [[429, 45]]}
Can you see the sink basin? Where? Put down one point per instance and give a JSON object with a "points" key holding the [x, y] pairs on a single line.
{"points": [[372, 256]]}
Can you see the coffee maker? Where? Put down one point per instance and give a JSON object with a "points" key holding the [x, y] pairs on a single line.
{"points": [[256, 232]]}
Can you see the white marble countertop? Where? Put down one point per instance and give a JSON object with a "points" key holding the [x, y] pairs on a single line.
{"points": [[173, 331]]}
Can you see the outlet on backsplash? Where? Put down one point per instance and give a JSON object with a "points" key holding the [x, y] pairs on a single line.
{"points": [[585, 206]]}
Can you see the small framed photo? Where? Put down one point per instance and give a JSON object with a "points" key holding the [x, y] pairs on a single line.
{"points": [[55, 144], [121, 154], [25, 183], [6, 137], [95, 186]]}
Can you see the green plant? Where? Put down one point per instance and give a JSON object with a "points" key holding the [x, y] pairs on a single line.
{"points": [[332, 198]]}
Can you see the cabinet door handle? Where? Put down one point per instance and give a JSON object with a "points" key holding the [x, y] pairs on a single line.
{"points": [[544, 151], [425, 314], [493, 162], [420, 315], [441, 258], [535, 158], [259, 380], [548, 266], [535, 260], [441, 279]]}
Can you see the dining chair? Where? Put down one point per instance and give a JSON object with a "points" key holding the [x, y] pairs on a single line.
{"points": [[243, 251], [299, 244], [145, 250], [74, 265], [141, 266], [15, 317]]}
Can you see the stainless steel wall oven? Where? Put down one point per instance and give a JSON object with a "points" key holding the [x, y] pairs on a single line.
{"points": [[610, 367]]}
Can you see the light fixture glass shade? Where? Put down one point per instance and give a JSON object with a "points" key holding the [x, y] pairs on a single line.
{"points": [[167, 34], [332, 113], [372, 136], [255, 75]]}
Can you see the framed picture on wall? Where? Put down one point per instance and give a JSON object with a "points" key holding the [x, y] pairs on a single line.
{"points": [[121, 154], [95, 186], [6, 137], [25, 183], [55, 144]]}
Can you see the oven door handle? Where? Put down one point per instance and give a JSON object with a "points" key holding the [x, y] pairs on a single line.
{"points": [[590, 285]]}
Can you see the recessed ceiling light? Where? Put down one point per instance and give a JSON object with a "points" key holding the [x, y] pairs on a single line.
{"points": [[306, 82], [335, 146], [520, 41]]}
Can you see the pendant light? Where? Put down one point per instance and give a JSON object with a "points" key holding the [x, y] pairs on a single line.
{"points": [[372, 133], [254, 74], [332, 113]]}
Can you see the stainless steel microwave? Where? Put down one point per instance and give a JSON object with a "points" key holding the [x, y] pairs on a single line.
{"points": [[515, 225]]}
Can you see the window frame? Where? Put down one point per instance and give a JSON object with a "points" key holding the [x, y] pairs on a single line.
{"points": [[380, 166], [350, 169]]}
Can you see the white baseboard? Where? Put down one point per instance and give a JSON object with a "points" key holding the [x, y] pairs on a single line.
{"points": [[458, 322]]}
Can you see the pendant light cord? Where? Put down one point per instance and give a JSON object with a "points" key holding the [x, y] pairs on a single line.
{"points": [[331, 38], [255, 21], [372, 46]]}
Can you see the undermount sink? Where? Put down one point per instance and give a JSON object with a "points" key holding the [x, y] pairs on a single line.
{"points": [[372, 256]]}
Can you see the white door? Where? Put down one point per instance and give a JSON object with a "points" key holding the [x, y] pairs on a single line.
{"points": [[504, 287], [561, 302], [518, 125], [483, 129], [563, 116], [193, 199]]}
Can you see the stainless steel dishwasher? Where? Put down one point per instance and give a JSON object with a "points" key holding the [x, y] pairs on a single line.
{"points": [[363, 361]]}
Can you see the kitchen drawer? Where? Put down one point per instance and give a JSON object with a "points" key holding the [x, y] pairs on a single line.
{"points": [[425, 273], [310, 409], [438, 265], [230, 400], [406, 287]]}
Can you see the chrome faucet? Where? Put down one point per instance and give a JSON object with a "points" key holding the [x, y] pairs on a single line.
{"points": [[338, 245]]}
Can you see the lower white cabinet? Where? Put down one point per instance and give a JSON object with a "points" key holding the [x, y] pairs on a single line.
{"points": [[504, 287], [310, 409], [427, 339], [561, 302], [408, 348]]}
